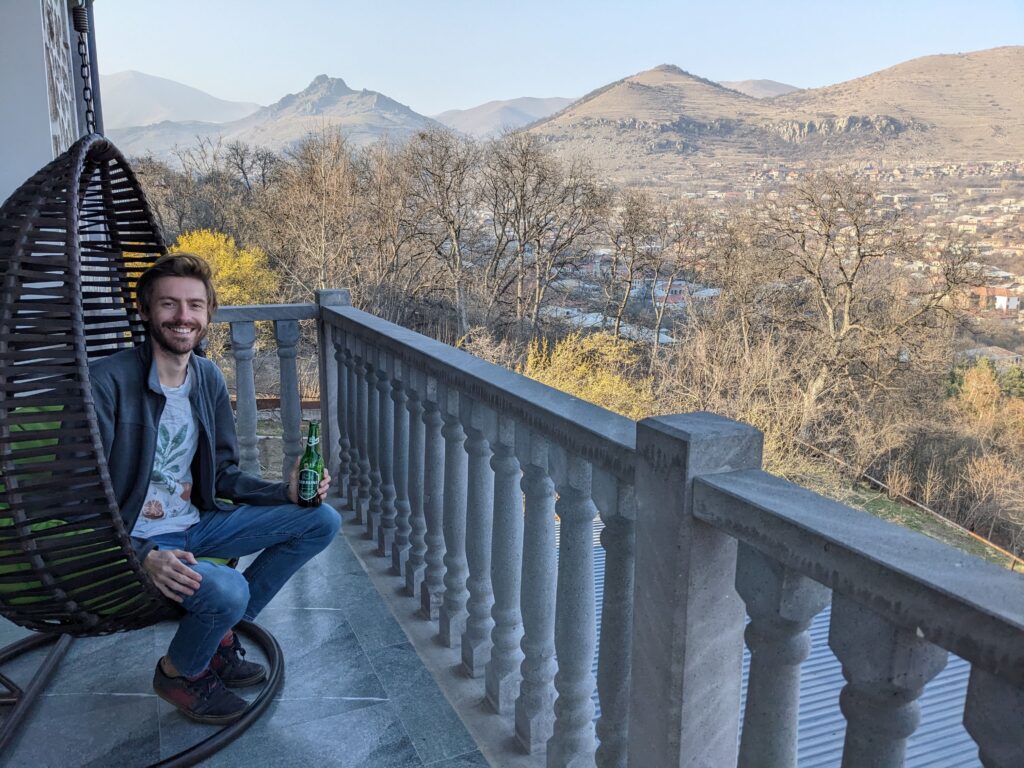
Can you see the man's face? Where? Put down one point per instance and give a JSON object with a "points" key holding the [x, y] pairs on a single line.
{"points": [[178, 314]]}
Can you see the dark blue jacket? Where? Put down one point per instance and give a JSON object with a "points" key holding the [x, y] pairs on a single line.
{"points": [[128, 400]]}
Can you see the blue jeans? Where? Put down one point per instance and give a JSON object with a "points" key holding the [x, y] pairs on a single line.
{"points": [[288, 534]]}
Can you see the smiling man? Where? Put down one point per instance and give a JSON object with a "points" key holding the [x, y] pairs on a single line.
{"points": [[169, 436]]}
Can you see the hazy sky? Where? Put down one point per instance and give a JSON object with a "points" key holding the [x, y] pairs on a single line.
{"points": [[451, 54]]}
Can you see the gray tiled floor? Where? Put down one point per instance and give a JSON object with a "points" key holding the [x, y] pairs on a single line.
{"points": [[355, 692]]}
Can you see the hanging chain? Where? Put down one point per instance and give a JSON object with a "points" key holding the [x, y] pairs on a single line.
{"points": [[80, 20]]}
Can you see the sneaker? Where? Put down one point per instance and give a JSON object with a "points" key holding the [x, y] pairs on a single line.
{"points": [[203, 699], [231, 667]]}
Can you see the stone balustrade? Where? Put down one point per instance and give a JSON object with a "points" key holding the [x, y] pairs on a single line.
{"points": [[465, 475]]}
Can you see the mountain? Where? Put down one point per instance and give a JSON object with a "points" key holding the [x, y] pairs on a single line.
{"points": [[665, 124], [759, 89], [135, 98], [364, 116], [492, 118]]}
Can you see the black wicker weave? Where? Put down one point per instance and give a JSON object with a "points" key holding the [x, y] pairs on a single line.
{"points": [[73, 239]]}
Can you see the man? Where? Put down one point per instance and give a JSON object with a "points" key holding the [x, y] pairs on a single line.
{"points": [[168, 433]]}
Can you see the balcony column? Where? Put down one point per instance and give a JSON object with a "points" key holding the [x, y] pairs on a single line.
{"points": [[362, 421], [452, 619], [572, 743], [994, 716], [243, 343], [372, 439], [501, 680], [344, 428], [476, 640], [352, 420], [886, 669], [400, 451], [618, 538], [328, 375], [287, 334], [432, 587], [416, 564], [386, 444], [534, 716], [781, 605]]}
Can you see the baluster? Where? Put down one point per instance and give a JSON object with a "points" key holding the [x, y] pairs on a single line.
{"points": [[476, 640], [362, 421], [534, 716], [416, 564], [994, 716], [344, 427], [400, 451], [886, 669], [328, 375], [501, 680], [352, 421], [432, 587], [287, 334], [452, 619], [781, 605], [243, 342], [372, 440], [572, 743], [618, 538], [386, 444]]}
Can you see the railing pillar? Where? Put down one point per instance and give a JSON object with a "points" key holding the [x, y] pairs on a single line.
{"points": [[345, 466], [502, 677], [385, 450], [362, 493], [781, 605], [432, 587], [330, 297], [372, 439], [415, 564], [452, 619], [287, 334], [534, 717], [243, 343], [688, 620], [886, 669], [400, 452], [994, 716]]}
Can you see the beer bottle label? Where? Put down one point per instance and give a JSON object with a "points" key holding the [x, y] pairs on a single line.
{"points": [[309, 483]]}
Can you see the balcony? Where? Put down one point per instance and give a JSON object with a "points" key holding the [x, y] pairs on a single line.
{"points": [[526, 579]]}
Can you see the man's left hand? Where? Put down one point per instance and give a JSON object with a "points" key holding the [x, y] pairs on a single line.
{"points": [[293, 485]]}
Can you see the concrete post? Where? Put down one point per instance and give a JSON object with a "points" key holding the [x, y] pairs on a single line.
{"points": [[330, 297], [572, 744], [372, 439], [688, 625], [994, 716], [344, 478], [432, 587], [886, 669], [243, 342], [534, 715], [287, 334], [415, 565], [502, 677], [362, 420], [452, 619], [400, 451], [781, 605], [386, 445]]}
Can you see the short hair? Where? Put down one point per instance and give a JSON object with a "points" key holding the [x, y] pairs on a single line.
{"points": [[176, 265]]}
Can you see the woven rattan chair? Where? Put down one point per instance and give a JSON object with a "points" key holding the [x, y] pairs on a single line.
{"points": [[73, 239]]}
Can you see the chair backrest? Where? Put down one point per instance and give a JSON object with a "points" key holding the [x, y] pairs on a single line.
{"points": [[73, 239]]}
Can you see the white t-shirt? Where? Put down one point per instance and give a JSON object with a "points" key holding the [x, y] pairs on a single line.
{"points": [[168, 507]]}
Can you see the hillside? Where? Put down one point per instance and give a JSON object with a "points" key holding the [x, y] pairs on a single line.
{"points": [[759, 89], [135, 98], [490, 119]]}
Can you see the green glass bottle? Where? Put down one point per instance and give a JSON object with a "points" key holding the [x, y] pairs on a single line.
{"points": [[311, 468]]}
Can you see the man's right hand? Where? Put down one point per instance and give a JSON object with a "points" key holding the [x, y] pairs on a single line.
{"points": [[172, 576]]}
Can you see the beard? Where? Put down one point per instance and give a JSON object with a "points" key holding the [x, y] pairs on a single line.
{"points": [[170, 342]]}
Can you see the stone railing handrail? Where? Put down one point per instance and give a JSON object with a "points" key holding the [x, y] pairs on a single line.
{"points": [[952, 599], [253, 312], [600, 436]]}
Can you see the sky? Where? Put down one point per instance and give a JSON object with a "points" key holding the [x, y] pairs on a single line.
{"points": [[435, 55]]}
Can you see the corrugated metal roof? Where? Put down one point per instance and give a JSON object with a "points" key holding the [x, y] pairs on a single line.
{"points": [[939, 742]]}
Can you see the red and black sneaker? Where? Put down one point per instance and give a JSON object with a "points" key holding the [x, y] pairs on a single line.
{"points": [[203, 699], [231, 667]]}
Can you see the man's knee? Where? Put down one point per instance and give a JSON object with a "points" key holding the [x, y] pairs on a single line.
{"points": [[325, 523], [222, 590]]}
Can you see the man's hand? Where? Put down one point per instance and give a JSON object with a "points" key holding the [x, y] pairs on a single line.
{"points": [[170, 574], [293, 485]]}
